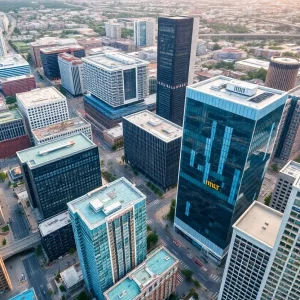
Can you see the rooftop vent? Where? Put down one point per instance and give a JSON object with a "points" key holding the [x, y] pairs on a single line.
{"points": [[266, 223], [154, 122], [218, 87], [122, 294], [241, 87], [49, 150], [264, 227], [96, 205], [167, 258]]}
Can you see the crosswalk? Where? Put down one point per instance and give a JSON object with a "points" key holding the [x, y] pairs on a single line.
{"points": [[215, 278], [149, 221], [153, 203], [163, 243], [179, 279], [214, 295], [204, 269], [184, 266]]}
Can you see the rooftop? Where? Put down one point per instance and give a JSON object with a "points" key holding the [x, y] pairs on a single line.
{"points": [[70, 58], [286, 60], [3, 105], [255, 63], [135, 282], [60, 127], [41, 96], [54, 223], [9, 116], [12, 60], [115, 132], [45, 41], [114, 60], [71, 276], [295, 91], [175, 17], [292, 168], [98, 205], [16, 78], [155, 125], [48, 152], [60, 49], [26, 295], [244, 94], [260, 222]]}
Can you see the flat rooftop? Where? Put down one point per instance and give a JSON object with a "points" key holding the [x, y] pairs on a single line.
{"points": [[60, 49], [70, 58], [71, 276], [45, 41], [10, 116], [115, 132], [54, 223], [58, 128], [155, 125], [8, 79], [292, 168], [252, 62], [12, 60], [48, 152], [114, 61], [136, 281], [26, 295], [286, 60], [99, 204], [260, 222], [41, 96], [245, 94], [3, 105]]}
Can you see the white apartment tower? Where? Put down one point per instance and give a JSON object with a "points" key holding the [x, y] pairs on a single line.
{"points": [[4, 22], [115, 78], [286, 178], [253, 238], [144, 33], [43, 107], [71, 69], [113, 30], [3, 50], [282, 279]]}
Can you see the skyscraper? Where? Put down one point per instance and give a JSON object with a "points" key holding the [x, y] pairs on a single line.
{"points": [[60, 171], [228, 136], [109, 225], [3, 50], [176, 52], [253, 238], [144, 33], [282, 73]]}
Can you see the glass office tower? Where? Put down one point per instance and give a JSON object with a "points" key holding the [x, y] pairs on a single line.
{"points": [[176, 52], [228, 136]]}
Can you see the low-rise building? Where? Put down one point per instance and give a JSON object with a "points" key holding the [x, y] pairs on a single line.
{"points": [[62, 129], [15, 174], [89, 43], [114, 136], [251, 64], [72, 280], [229, 53], [57, 235], [124, 45], [155, 278], [18, 84]]}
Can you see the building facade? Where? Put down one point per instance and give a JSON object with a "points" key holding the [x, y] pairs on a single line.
{"points": [[152, 144], [13, 65], [109, 225], [155, 279], [71, 69], [176, 52], [252, 242], [116, 79], [4, 22], [285, 180], [228, 136], [113, 30], [144, 33], [287, 146], [5, 283], [282, 73], [19, 84], [62, 129], [281, 280], [58, 172], [3, 50], [43, 107], [57, 235], [49, 58]]}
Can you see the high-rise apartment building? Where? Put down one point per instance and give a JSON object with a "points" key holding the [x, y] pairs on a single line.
{"points": [[3, 50], [5, 283], [116, 79], [285, 180], [152, 144], [281, 280], [228, 136], [43, 107], [109, 225], [155, 278], [71, 69], [19, 84], [4, 22], [282, 73], [144, 33], [287, 145], [13, 65], [62, 129], [49, 58], [13, 135], [176, 53], [113, 30], [60, 171], [253, 238]]}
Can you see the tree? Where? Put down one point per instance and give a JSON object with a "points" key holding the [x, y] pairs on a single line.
{"points": [[149, 227], [72, 250], [274, 168], [196, 283], [173, 297], [268, 199], [63, 297], [152, 239], [171, 213], [102, 163], [126, 32], [62, 288], [11, 99], [4, 242], [216, 47], [188, 274], [123, 158], [82, 296], [3, 176], [38, 250]]}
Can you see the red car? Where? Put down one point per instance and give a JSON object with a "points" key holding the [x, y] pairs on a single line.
{"points": [[198, 262]]}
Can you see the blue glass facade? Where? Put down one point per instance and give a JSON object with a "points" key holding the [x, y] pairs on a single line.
{"points": [[225, 152]]}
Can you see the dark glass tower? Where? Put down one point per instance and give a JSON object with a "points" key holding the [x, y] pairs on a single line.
{"points": [[176, 50], [228, 136]]}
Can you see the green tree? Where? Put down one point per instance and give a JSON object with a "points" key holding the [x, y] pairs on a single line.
{"points": [[152, 239], [173, 297], [275, 168], [102, 163], [216, 47], [197, 284], [62, 288], [82, 296], [149, 227], [188, 274], [11, 99], [5, 228], [171, 213], [63, 297], [268, 199], [3, 176], [4, 242], [126, 32], [72, 250], [38, 250]]}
